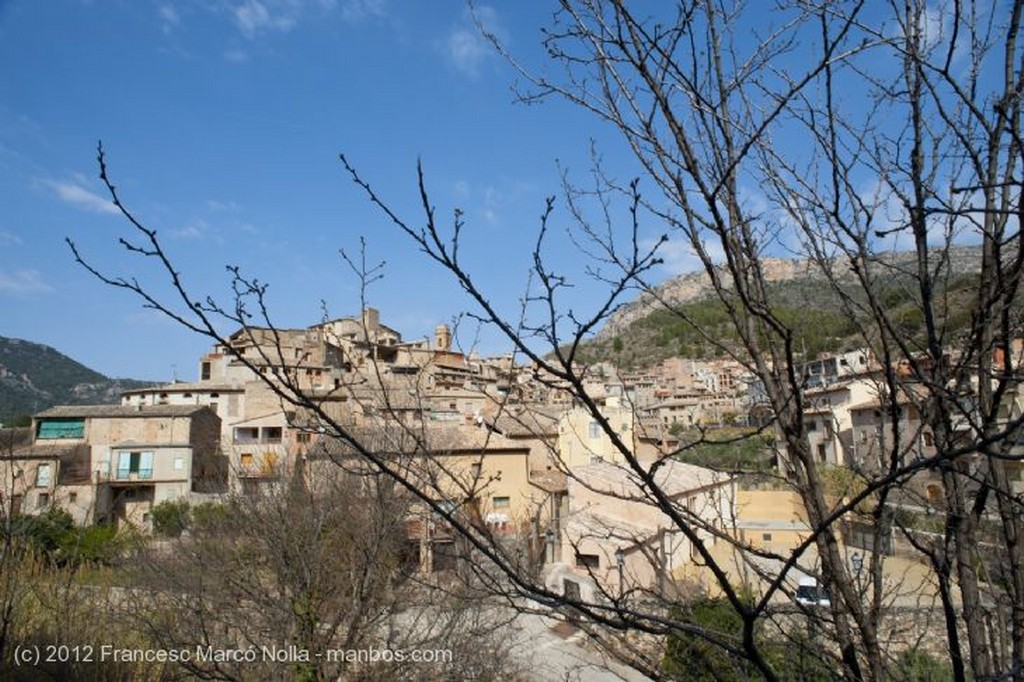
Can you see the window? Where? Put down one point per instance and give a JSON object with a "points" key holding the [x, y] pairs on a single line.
{"points": [[179, 463], [929, 440], [72, 498], [766, 537], [821, 452], [43, 476], [501, 503], [246, 459], [137, 464], [591, 561], [474, 469], [204, 371], [43, 500], [269, 463], [49, 429], [570, 588], [595, 430], [302, 437], [246, 434], [271, 434]]}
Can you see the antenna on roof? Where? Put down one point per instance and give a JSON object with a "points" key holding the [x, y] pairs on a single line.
{"points": [[174, 373]]}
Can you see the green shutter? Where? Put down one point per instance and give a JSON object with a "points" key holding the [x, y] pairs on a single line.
{"points": [[61, 428]]}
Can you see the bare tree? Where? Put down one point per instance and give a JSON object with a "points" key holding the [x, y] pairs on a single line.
{"points": [[839, 132], [863, 128], [312, 580]]}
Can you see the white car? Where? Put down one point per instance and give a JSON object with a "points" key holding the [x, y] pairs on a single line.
{"points": [[809, 593]]}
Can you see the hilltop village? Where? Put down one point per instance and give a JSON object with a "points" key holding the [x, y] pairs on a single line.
{"points": [[499, 442]]}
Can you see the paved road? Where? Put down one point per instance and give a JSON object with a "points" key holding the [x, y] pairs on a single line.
{"points": [[552, 651]]}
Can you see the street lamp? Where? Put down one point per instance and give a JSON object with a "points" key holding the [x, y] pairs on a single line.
{"points": [[620, 557], [857, 561]]}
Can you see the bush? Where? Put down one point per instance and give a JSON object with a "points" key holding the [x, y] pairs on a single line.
{"points": [[171, 517], [920, 666], [90, 545], [209, 515], [54, 536], [692, 657], [45, 532]]}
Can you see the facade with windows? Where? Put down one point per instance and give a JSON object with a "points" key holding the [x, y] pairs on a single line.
{"points": [[113, 463], [616, 539], [34, 475]]}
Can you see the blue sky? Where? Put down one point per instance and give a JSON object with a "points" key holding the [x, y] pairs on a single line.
{"points": [[222, 121]]}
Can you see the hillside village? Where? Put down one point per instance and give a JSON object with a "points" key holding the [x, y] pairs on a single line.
{"points": [[496, 442]]}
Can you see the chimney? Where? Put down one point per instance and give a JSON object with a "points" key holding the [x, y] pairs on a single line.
{"points": [[371, 320]]}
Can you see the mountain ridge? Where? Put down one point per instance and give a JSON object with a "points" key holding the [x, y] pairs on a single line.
{"points": [[34, 377], [694, 286]]}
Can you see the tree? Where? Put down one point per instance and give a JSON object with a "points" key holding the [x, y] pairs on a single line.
{"points": [[317, 576], [839, 132]]}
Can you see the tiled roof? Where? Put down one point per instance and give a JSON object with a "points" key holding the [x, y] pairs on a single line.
{"points": [[551, 481], [432, 439], [673, 477], [186, 386], [124, 411]]}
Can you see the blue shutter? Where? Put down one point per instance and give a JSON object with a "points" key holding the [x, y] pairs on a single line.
{"points": [[124, 464], [146, 465]]}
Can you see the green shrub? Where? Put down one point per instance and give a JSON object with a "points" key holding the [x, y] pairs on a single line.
{"points": [[89, 545], [208, 515], [171, 517], [55, 537], [45, 532], [689, 656], [920, 666]]}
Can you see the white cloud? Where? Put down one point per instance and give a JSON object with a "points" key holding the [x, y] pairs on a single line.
{"points": [[22, 282], [466, 50], [493, 200], [198, 230], [679, 256], [237, 56], [935, 27], [9, 239], [79, 197], [215, 205], [254, 17], [466, 47], [357, 10], [169, 18], [194, 230]]}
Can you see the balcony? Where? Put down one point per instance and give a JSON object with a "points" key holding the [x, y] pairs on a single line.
{"points": [[245, 435]]}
